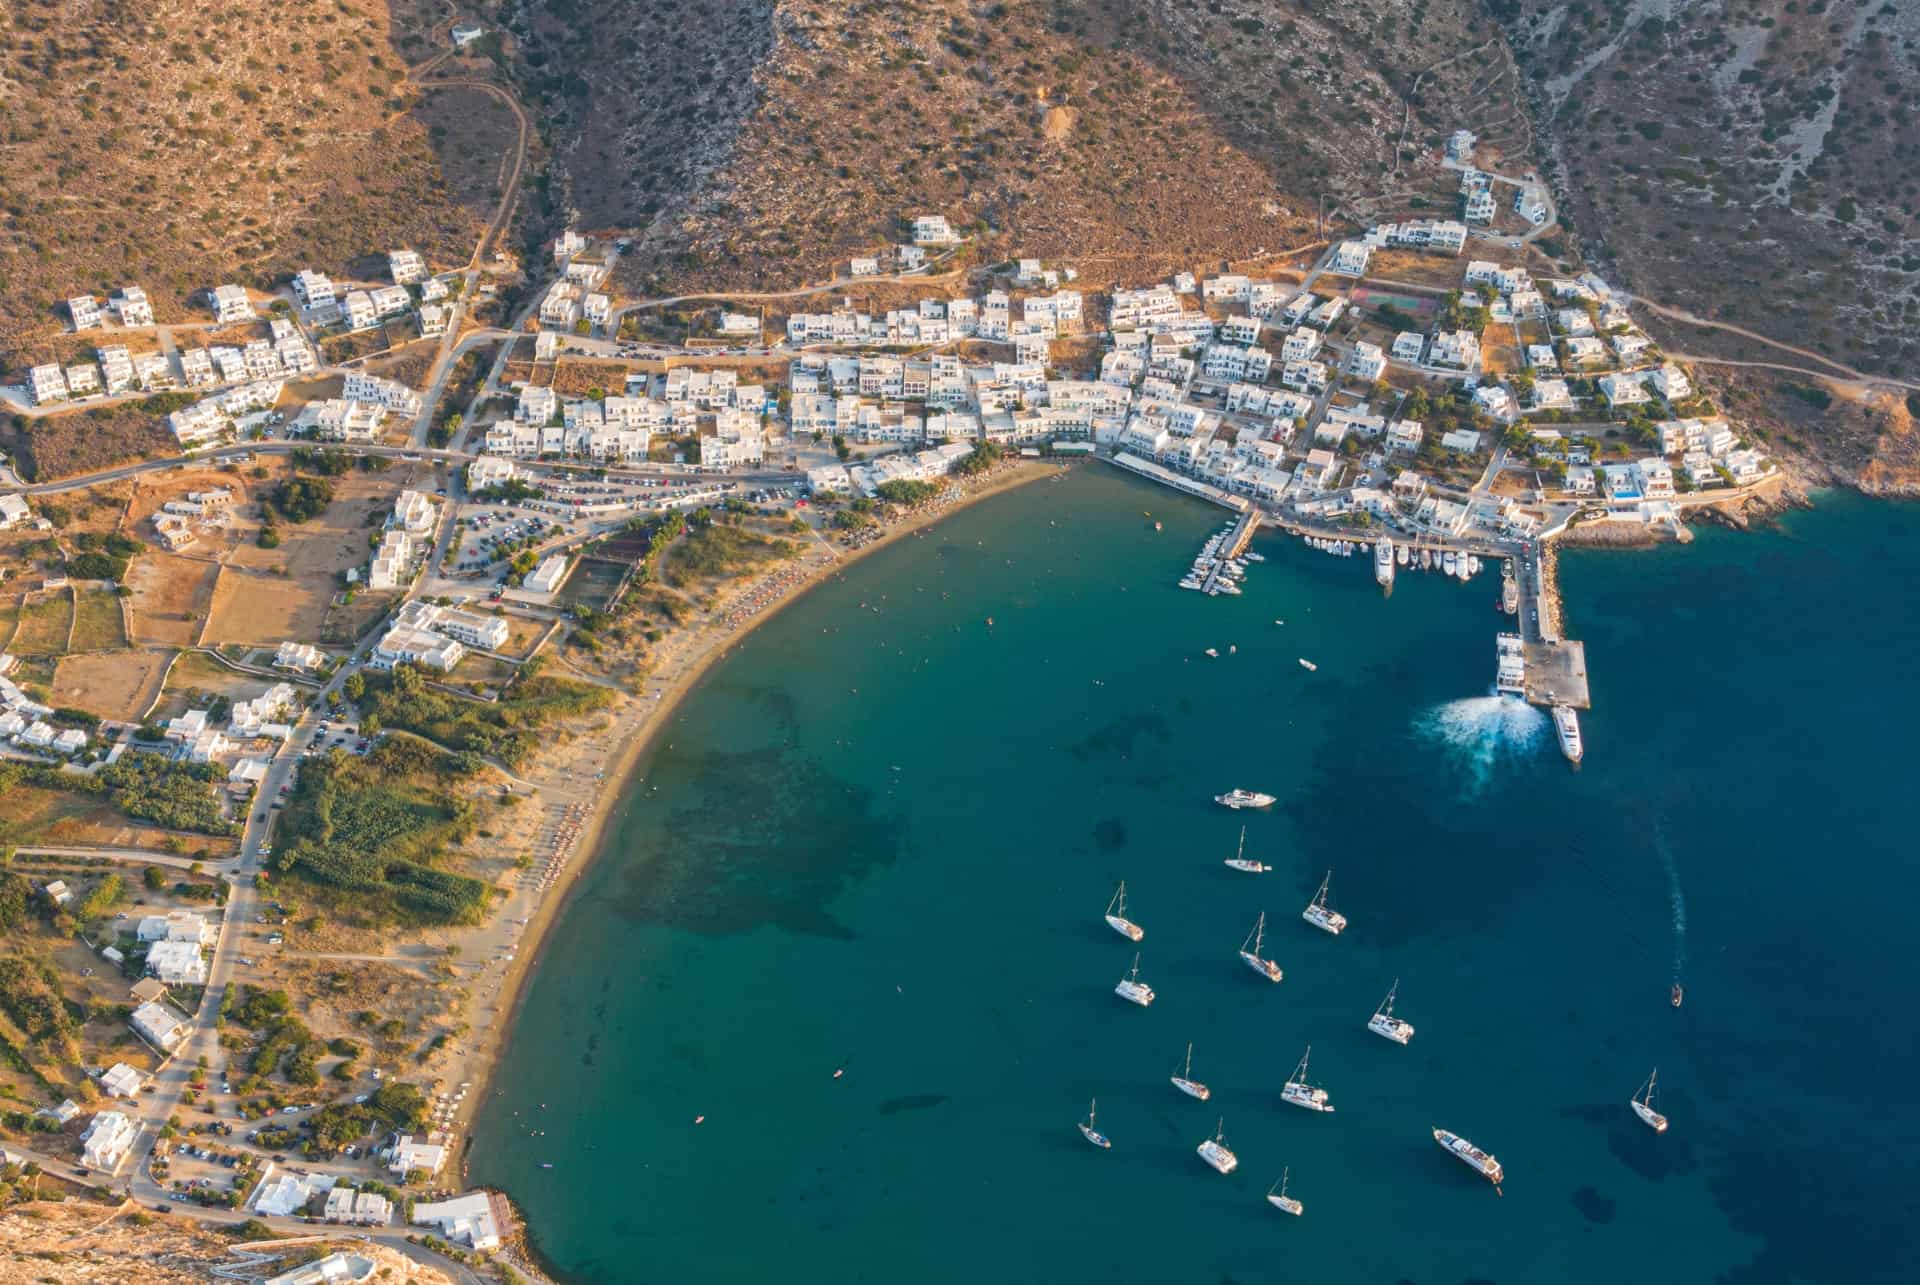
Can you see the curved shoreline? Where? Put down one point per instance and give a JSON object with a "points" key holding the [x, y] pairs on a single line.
{"points": [[712, 641]]}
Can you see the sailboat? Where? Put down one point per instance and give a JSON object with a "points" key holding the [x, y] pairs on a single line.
{"points": [[1250, 951], [1642, 1105], [1238, 861], [1319, 916], [1302, 1093], [1283, 1202], [1092, 1134], [1132, 989], [1214, 1151], [1186, 1084], [1384, 1023], [1117, 916]]}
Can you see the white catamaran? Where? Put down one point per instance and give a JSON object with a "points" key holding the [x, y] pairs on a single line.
{"points": [[1132, 989], [1250, 951], [1283, 1202], [1319, 916], [1189, 1086], [1384, 1023], [1117, 916], [1092, 1134], [1472, 1157], [1643, 1105], [1214, 1151], [1301, 1092], [1238, 861]]}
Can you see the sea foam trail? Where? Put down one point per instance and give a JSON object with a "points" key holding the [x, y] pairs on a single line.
{"points": [[1676, 901], [1480, 730]]}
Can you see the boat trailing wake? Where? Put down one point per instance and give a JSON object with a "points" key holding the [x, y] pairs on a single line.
{"points": [[1676, 902], [1481, 730]]}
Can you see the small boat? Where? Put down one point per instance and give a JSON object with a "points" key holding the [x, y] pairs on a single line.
{"points": [[1238, 861], [1566, 725], [1132, 989], [1232, 650], [1214, 1151], [1309, 666], [1446, 562], [1237, 799], [1214, 652], [548, 1164], [1401, 555], [1117, 916], [1678, 994], [1642, 1105], [1319, 915], [1187, 1084], [1156, 526], [1471, 1156], [1250, 951], [1283, 1202], [1385, 1024], [1301, 1092], [1092, 1134], [1426, 559]]}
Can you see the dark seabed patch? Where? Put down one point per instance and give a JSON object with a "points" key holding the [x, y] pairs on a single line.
{"points": [[912, 1102], [1110, 835], [1122, 738], [763, 837], [1593, 1206]]}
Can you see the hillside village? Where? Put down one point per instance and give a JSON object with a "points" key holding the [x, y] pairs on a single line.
{"points": [[417, 595]]}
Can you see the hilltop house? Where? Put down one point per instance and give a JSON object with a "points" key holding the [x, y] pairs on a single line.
{"points": [[231, 304]]}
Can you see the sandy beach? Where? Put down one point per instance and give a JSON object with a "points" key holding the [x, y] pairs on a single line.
{"points": [[579, 782]]}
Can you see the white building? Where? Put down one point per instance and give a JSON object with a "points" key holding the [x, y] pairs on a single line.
{"points": [[1350, 258], [406, 267], [314, 288], [231, 304], [85, 311], [121, 1081], [364, 1208], [1408, 345], [411, 1153], [176, 963], [108, 1138], [47, 383], [176, 925], [133, 306], [1367, 361], [933, 229], [546, 577], [361, 314], [160, 1026], [464, 1220]]}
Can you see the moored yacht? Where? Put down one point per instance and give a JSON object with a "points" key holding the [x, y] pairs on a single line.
{"points": [[1471, 1156], [1301, 1092], [1447, 562], [1092, 1134], [1318, 914], [1240, 861], [1214, 1150], [1132, 989], [1187, 1084], [1250, 951], [1566, 725], [1117, 916], [1642, 1105], [1237, 799], [1384, 1023], [1283, 1202], [1383, 562]]}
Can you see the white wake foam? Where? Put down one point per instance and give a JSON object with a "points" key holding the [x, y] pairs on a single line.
{"points": [[1676, 901], [1482, 730]]}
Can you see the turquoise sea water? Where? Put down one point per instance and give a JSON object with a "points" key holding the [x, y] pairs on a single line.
{"points": [[906, 881]]}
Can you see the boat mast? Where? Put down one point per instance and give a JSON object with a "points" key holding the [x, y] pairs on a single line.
{"points": [[1241, 852], [1387, 1007]]}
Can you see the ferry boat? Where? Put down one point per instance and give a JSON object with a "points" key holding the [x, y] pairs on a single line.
{"points": [[1642, 1105], [1383, 1023], [1471, 1156], [1566, 724], [1319, 915], [1301, 1092], [1214, 1151], [1117, 916], [1383, 562], [1239, 860], [1187, 1084], [1237, 799], [1250, 951], [1283, 1202], [1132, 989], [1092, 1134]]}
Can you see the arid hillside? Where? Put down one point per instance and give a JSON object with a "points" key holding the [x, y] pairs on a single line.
{"points": [[1750, 161], [176, 144], [1142, 131]]}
